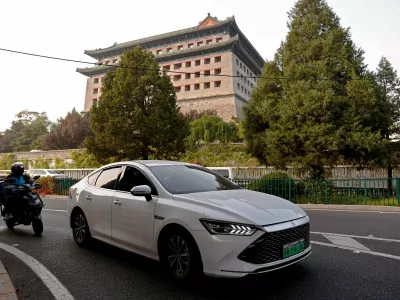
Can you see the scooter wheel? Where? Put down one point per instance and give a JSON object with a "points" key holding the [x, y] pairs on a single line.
{"points": [[37, 226], [10, 224]]}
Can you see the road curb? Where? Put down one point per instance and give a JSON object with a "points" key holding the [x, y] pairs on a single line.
{"points": [[7, 290], [351, 207]]}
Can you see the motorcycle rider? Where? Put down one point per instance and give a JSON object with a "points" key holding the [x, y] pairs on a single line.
{"points": [[17, 177]]}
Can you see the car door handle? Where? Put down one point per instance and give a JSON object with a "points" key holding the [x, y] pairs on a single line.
{"points": [[88, 198], [117, 202]]}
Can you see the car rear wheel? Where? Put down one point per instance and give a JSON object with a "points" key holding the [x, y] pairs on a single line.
{"points": [[180, 255], [80, 228], [10, 224]]}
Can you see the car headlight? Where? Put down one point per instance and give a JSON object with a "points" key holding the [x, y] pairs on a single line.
{"points": [[228, 228]]}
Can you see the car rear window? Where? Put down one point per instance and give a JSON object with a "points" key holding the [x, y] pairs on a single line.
{"points": [[107, 178]]}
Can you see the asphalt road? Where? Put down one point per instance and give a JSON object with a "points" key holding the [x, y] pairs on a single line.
{"points": [[104, 272]]}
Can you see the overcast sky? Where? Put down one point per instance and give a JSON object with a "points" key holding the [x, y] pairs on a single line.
{"points": [[67, 28]]}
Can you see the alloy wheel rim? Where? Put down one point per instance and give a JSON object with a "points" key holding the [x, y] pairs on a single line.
{"points": [[178, 256], [80, 228]]}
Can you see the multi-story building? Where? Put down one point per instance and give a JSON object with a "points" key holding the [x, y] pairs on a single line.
{"points": [[212, 48]]}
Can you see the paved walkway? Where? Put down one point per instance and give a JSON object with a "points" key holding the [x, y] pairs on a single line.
{"points": [[7, 291]]}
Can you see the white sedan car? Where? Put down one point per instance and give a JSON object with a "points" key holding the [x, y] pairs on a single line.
{"points": [[189, 218]]}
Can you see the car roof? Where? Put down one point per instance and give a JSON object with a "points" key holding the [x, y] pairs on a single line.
{"points": [[153, 163]]}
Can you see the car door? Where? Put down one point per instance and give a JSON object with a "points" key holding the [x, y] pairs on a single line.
{"points": [[133, 217], [97, 199]]}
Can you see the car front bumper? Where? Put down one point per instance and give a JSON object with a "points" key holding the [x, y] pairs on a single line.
{"points": [[220, 253]]}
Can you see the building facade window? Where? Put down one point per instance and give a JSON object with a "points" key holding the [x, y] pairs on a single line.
{"points": [[197, 86], [177, 89], [208, 42], [237, 61], [207, 73], [96, 80], [107, 62], [167, 68], [188, 64], [238, 86], [217, 59], [241, 66], [169, 49], [190, 46], [218, 39], [217, 71], [187, 88], [159, 52], [206, 85], [187, 76], [197, 62], [199, 44], [177, 77], [207, 61], [177, 66], [180, 47], [217, 84], [115, 61], [197, 75], [95, 91]]}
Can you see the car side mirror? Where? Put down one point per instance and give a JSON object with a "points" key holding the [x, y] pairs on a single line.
{"points": [[36, 177], [142, 191]]}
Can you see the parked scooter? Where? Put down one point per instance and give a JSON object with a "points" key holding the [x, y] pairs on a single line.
{"points": [[29, 207]]}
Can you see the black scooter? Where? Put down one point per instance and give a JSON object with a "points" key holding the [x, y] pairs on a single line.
{"points": [[29, 207]]}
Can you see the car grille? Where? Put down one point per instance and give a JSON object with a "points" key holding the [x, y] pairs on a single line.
{"points": [[269, 247]]}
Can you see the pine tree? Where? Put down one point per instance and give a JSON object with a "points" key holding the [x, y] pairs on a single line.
{"points": [[318, 112], [137, 114]]}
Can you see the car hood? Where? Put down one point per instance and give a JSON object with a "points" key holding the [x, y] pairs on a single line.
{"points": [[243, 206]]}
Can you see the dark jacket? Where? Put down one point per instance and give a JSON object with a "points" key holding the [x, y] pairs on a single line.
{"points": [[26, 178]]}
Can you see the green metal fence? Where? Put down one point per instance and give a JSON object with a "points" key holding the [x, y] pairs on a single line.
{"points": [[62, 185], [360, 191]]}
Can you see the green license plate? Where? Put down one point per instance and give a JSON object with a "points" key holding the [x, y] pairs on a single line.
{"points": [[293, 248]]}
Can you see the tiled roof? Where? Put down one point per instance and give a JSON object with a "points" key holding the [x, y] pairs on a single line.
{"points": [[104, 68], [156, 37]]}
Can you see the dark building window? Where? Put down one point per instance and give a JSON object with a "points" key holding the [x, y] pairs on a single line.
{"points": [[197, 86], [207, 61], [177, 77], [217, 59], [217, 71], [96, 80], [199, 44], [95, 91], [187, 76], [219, 39], [180, 47], [177, 66], [207, 73], [197, 62], [197, 75], [209, 41], [206, 85], [217, 84], [188, 64], [166, 68], [190, 45], [177, 89], [169, 49], [187, 88]]}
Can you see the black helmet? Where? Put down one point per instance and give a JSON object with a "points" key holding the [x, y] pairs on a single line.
{"points": [[17, 169]]}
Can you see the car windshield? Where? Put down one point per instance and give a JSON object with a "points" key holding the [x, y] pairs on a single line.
{"points": [[53, 172], [181, 179]]}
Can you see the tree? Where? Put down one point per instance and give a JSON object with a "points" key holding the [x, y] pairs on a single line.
{"points": [[318, 114], [27, 131], [210, 128], [69, 132], [137, 114], [387, 116]]}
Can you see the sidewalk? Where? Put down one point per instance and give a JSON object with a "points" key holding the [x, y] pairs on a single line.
{"points": [[7, 291], [395, 209]]}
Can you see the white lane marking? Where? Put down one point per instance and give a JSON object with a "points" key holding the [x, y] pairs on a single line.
{"points": [[355, 211], [361, 251], [357, 236], [58, 290], [345, 241], [58, 210]]}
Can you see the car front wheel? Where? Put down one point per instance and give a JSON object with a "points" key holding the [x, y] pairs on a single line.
{"points": [[180, 255], [80, 229]]}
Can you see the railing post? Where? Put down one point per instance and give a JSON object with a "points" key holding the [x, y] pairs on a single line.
{"points": [[398, 190], [326, 192], [365, 190], [290, 189]]}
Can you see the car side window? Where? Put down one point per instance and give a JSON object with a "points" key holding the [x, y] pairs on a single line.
{"points": [[133, 177], [92, 178], [107, 178]]}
